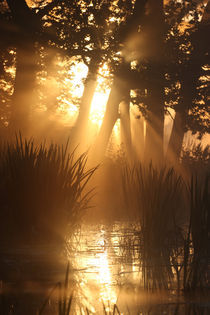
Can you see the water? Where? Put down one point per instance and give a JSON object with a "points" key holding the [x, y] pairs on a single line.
{"points": [[105, 269], [105, 263], [108, 271]]}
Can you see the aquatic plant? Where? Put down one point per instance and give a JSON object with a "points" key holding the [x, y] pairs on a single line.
{"points": [[115, 310], [155, 196], [65, 298], [42, 190], [197, 254]]}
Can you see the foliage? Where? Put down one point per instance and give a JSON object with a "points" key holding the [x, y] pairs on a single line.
{"points": [[42, 190], [187, 70], [7, 61], [98, 30], [184, 65], [89, 28], [86, 31], [196, 159]]}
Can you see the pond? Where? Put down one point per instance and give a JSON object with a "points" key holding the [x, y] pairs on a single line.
{"points": [[107, 264], [108, 271], [105, 270]]}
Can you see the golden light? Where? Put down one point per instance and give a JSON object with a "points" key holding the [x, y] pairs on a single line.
{"points": [[73, 84], [100, 97], [98, 107], [99, 101], [96, 282], [78, 73]]}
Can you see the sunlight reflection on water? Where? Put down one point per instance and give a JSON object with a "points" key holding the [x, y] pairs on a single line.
{"points": [[106, 269], [105, 262]]}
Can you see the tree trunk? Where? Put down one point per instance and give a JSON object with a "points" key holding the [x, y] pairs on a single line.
{"points": [[187, 94], [27, 26], [80, 131], [155, 126], [110, 117], [176, 138], [119, 84], [22, 98], [155, 121], [125, 128], [138, 140], [190, 75]]}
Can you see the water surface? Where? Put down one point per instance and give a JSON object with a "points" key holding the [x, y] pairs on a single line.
{"points": [[105, 269]]}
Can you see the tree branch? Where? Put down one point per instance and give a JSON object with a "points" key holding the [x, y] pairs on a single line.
{"points": [[46, 9]]}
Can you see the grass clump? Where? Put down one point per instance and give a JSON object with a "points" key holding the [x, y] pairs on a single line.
{"points": [[155, 196], [42, 190], [174, 220], [197, 254]]}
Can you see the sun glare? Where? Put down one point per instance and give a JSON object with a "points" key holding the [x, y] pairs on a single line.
{"points": [[97, 276], [98, 107], [78, 73], [100, 97], [74, 85]]}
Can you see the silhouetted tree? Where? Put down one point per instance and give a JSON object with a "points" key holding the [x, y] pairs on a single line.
{"points": [[168, 72], [22, 27], [27, 28], [120, 87], [116, 33], [190, 79], [77, 28], [102, 43], [7, 59], [155, 30]]}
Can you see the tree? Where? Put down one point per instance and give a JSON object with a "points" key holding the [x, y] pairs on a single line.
{"points": [[103, 46], [23, 29], [27, 27], [116, 33], [191, 81], [77, 28], [155, 32], [120, 86], [166, 60]]}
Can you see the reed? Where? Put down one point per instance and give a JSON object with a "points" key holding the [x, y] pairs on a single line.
{"points": [[42, 189], [65, 296], [65, 299], [113, 312], [197, 254], [155, 196]]}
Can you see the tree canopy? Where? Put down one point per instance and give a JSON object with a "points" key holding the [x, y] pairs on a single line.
{"points": [[156, 52]]}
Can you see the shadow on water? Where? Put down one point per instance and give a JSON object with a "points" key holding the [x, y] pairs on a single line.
{"points": [[28, 275]]}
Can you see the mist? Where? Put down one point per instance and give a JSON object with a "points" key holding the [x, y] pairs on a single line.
{"points": [[104, 157]]}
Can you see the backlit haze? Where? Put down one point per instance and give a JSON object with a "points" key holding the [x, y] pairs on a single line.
{"points": [[60, 94]]}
